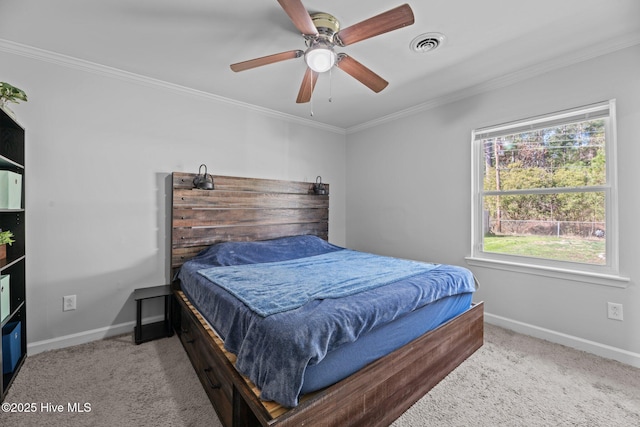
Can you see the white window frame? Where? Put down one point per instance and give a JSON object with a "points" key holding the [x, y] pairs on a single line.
{"points": [[600, 274]]}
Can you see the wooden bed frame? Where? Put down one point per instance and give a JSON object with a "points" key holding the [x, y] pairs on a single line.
{"points": [[246, 209]]}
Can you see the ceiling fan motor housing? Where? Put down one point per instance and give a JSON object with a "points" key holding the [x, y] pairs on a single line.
{"points": [[326, 24]]}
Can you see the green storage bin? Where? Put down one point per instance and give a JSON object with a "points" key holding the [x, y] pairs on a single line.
{"points": [[5, 297], [10, 190]]}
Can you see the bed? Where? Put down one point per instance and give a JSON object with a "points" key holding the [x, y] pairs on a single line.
{"points": [[283, 225]]}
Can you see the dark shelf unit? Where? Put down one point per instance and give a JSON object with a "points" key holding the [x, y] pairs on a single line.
{"points": [[12, 137]]}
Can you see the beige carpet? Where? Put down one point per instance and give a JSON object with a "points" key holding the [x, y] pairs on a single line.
{"points": [[513, 380]]}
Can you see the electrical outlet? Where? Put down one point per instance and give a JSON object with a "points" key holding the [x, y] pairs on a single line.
{"points": [[614, 311], [69, 303]]}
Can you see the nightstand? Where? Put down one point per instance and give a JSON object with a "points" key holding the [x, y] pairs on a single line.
{"points": [[143, 333]]}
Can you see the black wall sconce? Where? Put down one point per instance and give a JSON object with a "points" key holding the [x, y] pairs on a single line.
{"points": [[203, 181], [319, 188]]}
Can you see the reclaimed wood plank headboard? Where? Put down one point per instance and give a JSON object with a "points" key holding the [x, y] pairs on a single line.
{"points": [[242, 209]]}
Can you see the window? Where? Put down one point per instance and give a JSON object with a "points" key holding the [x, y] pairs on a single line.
{"points": [[544, 193]]}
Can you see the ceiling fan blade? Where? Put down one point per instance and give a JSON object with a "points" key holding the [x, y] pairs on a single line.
{"points": [[361, 73], [299, 15], [307, 86], [265, 60], [390, 20]]}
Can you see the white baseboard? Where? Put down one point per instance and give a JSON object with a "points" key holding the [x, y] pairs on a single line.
{"points": [[87, 336], [593, 347]]}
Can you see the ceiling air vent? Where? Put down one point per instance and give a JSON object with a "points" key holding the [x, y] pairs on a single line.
{"points": [[427, 42]]}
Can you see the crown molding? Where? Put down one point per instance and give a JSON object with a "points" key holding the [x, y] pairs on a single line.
{"points": [[497, 83], [66, 61], [504, 81]]}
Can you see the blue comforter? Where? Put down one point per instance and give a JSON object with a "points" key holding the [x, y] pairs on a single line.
{"points": [[274, 351], [273, 287]]}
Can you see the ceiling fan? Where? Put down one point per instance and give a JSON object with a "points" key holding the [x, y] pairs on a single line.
{"points": [[322, 34]]}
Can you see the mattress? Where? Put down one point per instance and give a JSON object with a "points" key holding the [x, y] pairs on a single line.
{"points": [[351, 357], [329, 338]]}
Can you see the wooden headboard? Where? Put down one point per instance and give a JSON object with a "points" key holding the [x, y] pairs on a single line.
{"points": [[242, 209]]}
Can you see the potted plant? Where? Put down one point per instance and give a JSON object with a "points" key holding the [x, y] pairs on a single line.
{"points": [[6, 238], [9, 93]]}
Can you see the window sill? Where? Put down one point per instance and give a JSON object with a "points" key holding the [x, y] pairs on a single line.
{"points": [[558, 273]]}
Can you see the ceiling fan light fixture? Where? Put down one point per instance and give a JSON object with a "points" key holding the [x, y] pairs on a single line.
{"points": [[320, 57]]}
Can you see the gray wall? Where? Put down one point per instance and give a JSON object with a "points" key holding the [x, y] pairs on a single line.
{"points": [[409, 194], [100, 148], [101, 145]]}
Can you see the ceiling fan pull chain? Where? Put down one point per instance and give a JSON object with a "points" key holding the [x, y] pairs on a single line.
{"points": [[330, 85], [311, 96]]}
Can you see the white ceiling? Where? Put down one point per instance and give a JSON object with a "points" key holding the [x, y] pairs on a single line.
{"points": [[192, 43]]}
